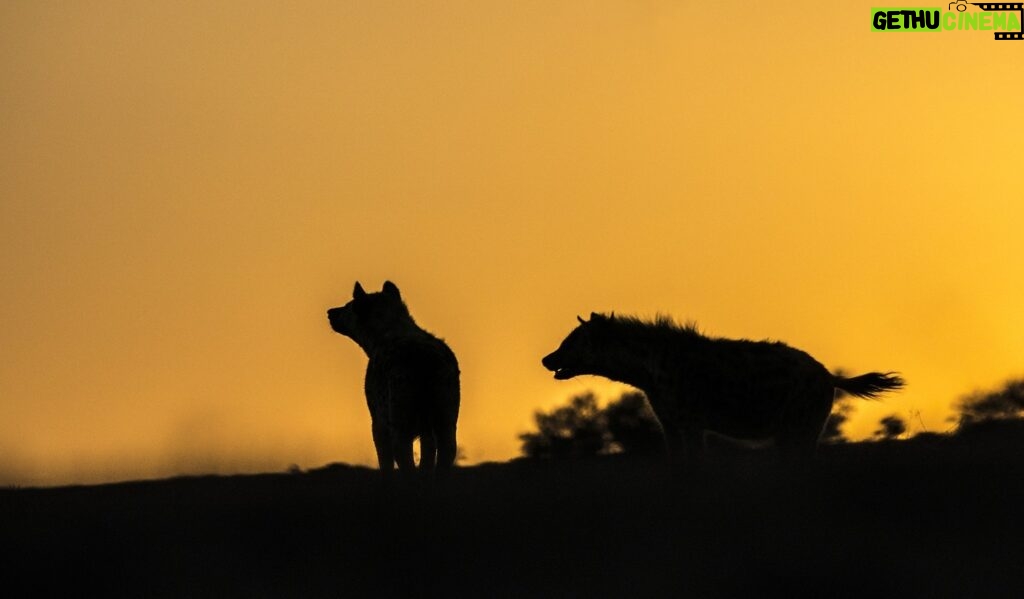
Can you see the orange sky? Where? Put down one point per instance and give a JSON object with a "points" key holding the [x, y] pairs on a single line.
{"points": [[185, 187]]}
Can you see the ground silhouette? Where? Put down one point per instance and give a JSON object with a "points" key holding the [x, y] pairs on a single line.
{"points": [[933, 516], [412, 381], [756, 390]]}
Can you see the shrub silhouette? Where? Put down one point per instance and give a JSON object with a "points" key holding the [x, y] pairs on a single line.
{"points": [[893, 427], [632, 425], [1006, 403], [582, 429], [575, 430], [841, 410]]}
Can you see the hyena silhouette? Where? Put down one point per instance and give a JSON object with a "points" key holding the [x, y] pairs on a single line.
{"points": [[748, 390], [412, 381]]}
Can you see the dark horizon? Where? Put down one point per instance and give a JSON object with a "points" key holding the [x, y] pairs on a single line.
{"points": [[928, 517]]}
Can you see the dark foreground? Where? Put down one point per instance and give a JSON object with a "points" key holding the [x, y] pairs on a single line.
{"points": [[935, 517]]}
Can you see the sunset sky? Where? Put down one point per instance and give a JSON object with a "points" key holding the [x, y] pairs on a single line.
{"points": [[186, 187]]}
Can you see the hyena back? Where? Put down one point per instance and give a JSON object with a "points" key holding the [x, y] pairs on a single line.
{"points": [[412, 380], [747, 390]]}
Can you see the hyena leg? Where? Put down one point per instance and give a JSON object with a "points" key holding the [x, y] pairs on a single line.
{"points": [[382, 443], [694, 441], [428, 452], [675, 446], [671, 432], [401, 445], [800, 435], [402, 394], [799, 446], [446, 447]]}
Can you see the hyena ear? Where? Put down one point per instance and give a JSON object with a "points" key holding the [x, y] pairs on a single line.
{"points": [[358, 292], [391, 289]]}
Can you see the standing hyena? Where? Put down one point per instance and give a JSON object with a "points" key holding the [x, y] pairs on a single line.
{"points": [[749, 390], [412, 380]]}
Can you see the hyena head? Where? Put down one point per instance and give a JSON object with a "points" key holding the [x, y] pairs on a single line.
{"points": [[580, 352], [371, 316]]}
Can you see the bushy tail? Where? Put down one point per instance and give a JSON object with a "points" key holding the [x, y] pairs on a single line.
{"points": [[870, 385]]}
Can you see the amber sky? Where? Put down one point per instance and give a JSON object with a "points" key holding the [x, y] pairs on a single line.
{"points": [[185, 187]]}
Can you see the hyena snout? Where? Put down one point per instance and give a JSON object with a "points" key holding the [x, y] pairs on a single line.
{"points": [[338, 318], [555, 362]]}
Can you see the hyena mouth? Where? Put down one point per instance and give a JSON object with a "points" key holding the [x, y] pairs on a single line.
{"points": [[562, 374], [550, 362]]}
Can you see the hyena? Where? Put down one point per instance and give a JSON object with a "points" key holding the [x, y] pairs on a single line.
{"points": [[748, 390], [412, 381]]}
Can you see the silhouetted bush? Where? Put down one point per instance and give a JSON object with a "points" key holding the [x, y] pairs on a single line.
{"points": [[582, 429], [633, 426], [833, 433], [995, 432], [1006, 403], [576, 430], [842, 407], [892, 427]]}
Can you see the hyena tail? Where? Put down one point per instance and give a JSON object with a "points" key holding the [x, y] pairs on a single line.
{"points": [[870, 385]]}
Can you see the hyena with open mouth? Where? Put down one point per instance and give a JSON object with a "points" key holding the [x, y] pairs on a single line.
{"points": [[412, 381], [757, 391]]}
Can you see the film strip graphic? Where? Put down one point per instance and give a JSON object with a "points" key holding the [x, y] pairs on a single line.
{"points": [[1017, 6]]}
